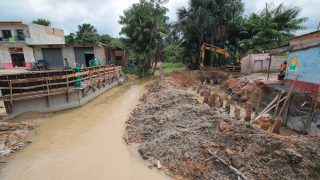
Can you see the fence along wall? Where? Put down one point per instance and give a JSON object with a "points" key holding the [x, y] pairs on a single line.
{"points": [[47, 86]]}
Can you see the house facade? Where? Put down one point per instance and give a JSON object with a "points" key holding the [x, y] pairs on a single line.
{"points": [[18, 40], [253, 63], [304, 63], [23, 44]]}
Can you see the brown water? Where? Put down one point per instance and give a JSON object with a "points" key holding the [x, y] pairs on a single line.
{"points": [[84, 143]]}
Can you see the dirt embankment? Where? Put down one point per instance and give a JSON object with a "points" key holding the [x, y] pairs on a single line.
{"points": [[14, 133], [173, 128]]}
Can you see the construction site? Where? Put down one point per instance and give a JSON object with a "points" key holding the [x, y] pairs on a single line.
{"points": [[219, 91]]}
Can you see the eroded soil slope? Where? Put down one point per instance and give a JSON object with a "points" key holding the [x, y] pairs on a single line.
{"points": [[173, 128]]}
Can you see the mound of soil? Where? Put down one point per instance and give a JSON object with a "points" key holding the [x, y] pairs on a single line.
{"points": [[13, 136], [173, 128]]}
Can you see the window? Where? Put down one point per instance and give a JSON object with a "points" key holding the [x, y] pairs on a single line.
{"points": [[6, 34], [18, 60], [20, 35]]}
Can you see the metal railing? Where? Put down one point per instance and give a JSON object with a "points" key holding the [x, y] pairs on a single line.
{"points": [[13, 40]]}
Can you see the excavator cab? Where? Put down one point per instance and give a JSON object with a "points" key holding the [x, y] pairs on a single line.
{"points": [[211, 48]]}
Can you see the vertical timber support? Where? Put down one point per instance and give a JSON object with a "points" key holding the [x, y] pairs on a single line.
{"points": [[48, 92]]}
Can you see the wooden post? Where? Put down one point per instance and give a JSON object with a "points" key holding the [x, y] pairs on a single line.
{"points": [[104, 76], [269, 67], [259, 100], [67, 93], [99, 74], [277, 123], [48, 92], [277, 106], [11, 91]]}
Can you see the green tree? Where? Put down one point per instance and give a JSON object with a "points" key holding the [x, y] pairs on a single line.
{"points": [[205, 21], [105, 38], [144, 24], [270, 28], [70, 39], [42, 21], [86, 34]]}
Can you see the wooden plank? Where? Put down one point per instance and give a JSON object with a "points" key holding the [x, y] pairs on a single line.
{"points": [[277, 124]]}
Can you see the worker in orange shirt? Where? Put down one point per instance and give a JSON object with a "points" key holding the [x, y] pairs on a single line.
{"points": [[283, 70]]}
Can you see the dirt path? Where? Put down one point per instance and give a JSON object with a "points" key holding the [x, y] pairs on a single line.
{"points": [[84, 143]]}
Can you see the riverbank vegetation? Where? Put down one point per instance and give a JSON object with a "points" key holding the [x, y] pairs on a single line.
{"points": [[151, 38]]}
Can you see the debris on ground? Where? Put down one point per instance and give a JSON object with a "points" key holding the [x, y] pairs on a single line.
{"points": [[13, 136], [252, 92], [172, 127]]}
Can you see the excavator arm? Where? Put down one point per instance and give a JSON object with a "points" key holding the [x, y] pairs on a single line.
{"points": [[212, 48]]}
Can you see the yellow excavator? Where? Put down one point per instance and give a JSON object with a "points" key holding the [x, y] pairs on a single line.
{"points": [[212, 48]]}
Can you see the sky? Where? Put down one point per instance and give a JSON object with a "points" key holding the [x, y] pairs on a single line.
{"points": [[104, 14]]}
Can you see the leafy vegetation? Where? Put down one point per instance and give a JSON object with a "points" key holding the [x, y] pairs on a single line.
{"points": [[223, 24], [87, 35], [170, 67], [205, 21], [42, 21], [144, 25], [270, 28]]}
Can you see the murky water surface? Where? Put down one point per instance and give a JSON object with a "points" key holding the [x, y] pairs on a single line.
{"points": [[84, 143]]}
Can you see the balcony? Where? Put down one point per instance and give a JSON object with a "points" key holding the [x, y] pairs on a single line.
{"points": [[13, 40]]}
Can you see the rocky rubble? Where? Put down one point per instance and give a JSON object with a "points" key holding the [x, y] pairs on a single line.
{"points": [[13, 136], [173, 128]]}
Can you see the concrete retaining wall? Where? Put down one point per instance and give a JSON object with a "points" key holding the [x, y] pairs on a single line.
{"points": [[59, 102]]}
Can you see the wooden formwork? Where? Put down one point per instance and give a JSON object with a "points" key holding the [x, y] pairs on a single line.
{"points": [[46, 83]]}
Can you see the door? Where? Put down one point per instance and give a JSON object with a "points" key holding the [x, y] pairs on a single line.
{"points": [[18, 60], [53, 57], [80, 54], [88, 57]]}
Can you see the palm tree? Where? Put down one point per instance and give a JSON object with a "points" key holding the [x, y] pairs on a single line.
{"points": [[42, 21], [205, 21], [144, 25], [270, 28], [86, 34]]}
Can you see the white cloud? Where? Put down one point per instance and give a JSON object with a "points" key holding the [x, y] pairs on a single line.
{"points": [[104, 14]]}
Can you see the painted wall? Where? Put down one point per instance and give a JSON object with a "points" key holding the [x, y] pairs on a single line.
{"points": [[35, 34], [5, 57], [306, 64], [305, 41], [42, 35], [68, 52], [260, 62], [13, 27], [37, 53], [99, 53]]}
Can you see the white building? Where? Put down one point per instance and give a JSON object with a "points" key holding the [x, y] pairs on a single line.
{"points": [[19, 42]]}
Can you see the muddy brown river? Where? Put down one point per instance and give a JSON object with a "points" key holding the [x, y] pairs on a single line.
{"points": [[84, 143]]}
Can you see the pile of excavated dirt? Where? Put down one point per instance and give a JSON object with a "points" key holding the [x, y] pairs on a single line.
{"points": [[176, 131], [13, 136], [186, 79], [246, 91]]}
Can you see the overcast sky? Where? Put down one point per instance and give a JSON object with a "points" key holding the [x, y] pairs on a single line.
{"points": [[104, 14]]}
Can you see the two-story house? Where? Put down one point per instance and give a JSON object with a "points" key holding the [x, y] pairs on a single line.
{"points": [[21, 44]]}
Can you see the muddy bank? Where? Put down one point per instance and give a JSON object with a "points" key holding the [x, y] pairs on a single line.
{"points": [[84, 143], [14, 134], [177, 131]]}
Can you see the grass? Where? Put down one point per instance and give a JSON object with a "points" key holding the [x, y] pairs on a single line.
{"points": [[170, 67]]}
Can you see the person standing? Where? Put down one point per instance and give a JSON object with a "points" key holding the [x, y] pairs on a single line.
{"points": [[283, 70]]}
